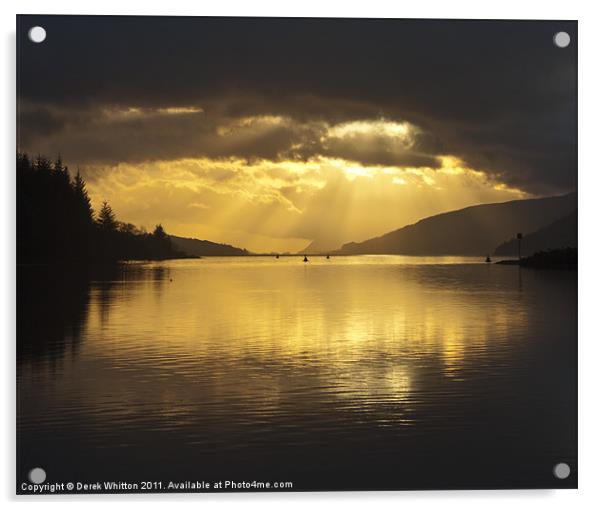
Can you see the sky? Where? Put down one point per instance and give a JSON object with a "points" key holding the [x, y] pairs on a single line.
{"points": [[270, 134]]}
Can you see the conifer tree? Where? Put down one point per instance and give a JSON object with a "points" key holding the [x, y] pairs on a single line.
{"points": [[82, 198], [106, 218]]}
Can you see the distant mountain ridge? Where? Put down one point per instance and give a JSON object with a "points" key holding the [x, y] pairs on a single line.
{"points": [[560, 234], [317, 248], [202, 248], [475, 230]]}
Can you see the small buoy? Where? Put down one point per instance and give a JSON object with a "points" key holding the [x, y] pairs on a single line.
{"points": [[277, 256], [488, 259], [327, 256], [305, 259]]}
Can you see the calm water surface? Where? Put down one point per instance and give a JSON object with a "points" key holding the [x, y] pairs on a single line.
{"points": [[353, 372]]}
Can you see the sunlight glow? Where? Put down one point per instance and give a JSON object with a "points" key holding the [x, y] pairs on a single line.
{"points": [[258, 122], [266, 205], [133, 112], [400, 130]]}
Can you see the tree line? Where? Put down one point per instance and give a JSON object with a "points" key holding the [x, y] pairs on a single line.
{"points": [[57, 224]]}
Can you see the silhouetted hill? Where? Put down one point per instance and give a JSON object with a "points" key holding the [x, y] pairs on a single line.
{"points": [[561, 233], [475, 230], [317, 247], [203, 248]]}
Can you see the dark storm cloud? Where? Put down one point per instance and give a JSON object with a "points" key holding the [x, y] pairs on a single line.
{"points": [[132, 135], [498, 94]]}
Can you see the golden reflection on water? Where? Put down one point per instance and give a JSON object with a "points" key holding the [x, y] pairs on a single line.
{"points": [[244, 359], [170, 337]]}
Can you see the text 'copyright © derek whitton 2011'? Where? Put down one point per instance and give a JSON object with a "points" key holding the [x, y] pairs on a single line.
{"points": [[153, 486]]}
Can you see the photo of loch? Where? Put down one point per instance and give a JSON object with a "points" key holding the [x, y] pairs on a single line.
{"points": [[272, 254]]}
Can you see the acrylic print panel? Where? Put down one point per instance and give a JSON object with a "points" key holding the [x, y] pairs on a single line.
{"points": [[295, 254]]}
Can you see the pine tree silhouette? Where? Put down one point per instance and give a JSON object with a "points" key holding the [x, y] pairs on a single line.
{"points": [[55, 221], [82, 198], [106, 218]]}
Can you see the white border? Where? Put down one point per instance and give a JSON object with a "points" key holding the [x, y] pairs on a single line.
{"points": [[590, 243]]}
